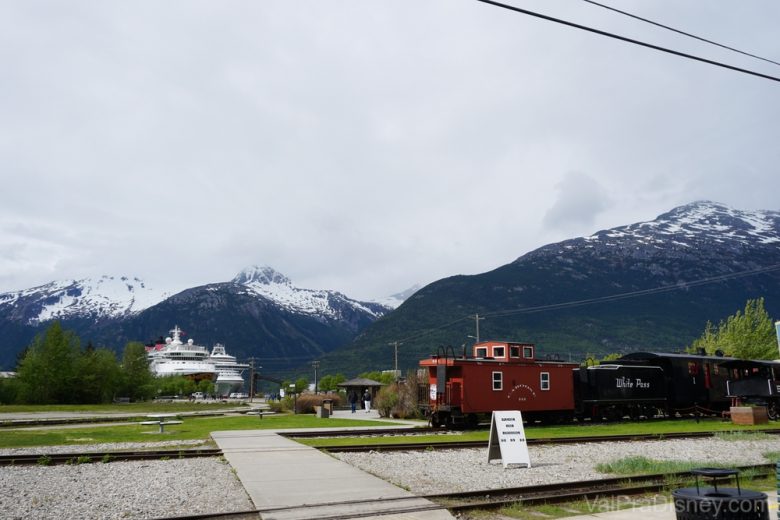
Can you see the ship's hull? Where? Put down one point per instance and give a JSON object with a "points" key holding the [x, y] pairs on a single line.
{"points": [[228, 382], [195, 373]]}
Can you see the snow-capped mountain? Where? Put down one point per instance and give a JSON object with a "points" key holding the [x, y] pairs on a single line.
{"points": [[699, 223], [694, 241], [258, 313], [94, 298], [647, 286], [268, 283], [395, 300]]}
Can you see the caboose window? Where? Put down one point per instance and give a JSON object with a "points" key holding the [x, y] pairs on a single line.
{"points": [[528, 352], [481, 351], [514, 351], [544, 381], [499, 352], [498, 380]]}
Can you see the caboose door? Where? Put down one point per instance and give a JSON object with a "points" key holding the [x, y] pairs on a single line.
{"points": [[454, 393]]}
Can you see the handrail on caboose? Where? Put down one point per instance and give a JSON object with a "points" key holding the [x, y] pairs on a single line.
{"points": [[442, 351]]}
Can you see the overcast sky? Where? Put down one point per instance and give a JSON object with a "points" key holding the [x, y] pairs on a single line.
{"points": [[362, 146]]}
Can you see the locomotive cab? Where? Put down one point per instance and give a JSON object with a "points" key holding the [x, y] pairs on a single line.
{"points": [[754, 382]]}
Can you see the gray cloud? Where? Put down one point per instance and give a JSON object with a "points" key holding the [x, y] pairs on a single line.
{"points": [[579, 202], [353, 146]]}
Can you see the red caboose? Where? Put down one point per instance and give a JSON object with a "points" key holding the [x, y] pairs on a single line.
{"points": [[499, 376]]}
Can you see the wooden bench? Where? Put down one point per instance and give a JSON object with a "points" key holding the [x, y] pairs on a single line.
{"points": [[160, 420]]}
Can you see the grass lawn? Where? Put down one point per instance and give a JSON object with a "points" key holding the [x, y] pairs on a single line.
{"points": [[140, 408], [553, 432], [191, 429]]}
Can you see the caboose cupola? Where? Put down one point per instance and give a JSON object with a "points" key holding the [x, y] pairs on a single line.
{"points": [[504, 351]]}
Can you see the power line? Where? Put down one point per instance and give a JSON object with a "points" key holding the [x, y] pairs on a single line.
{"points": [[601, 299], [435, 329], [633, 294], [679, 31], [629, 40]]}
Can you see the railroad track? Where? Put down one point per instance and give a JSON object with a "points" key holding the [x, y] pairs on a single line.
{"points": [[445, 445], [488, 499], [389, 432], [571, 491], [368, 432], [48, 459]]}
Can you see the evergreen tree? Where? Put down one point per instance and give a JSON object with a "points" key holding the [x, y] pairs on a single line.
{"points": [[99, 376], [748, 334], [329, 383], [380, 377], [48, 372], [137, 381]]}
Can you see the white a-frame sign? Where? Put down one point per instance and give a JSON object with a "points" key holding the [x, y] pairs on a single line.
{"points": [[507, 439]]}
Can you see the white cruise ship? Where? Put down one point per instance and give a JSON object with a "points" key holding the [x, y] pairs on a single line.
{"points": [[175, 358], [229, 371]]}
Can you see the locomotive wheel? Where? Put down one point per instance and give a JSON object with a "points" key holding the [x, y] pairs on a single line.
{"points": [[613, 414], [772, 410], [441, 419], [449, 422]]}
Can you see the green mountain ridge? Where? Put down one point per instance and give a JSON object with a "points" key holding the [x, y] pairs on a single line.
{"points": [[648, 286]]}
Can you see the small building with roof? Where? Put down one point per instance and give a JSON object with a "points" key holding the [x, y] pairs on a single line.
{"points": [[360, 385]]}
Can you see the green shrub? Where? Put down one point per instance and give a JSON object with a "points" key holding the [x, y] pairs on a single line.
{"points": [[399, 400], [44, 460], [278, 406], [307, 402], [387, 400]]}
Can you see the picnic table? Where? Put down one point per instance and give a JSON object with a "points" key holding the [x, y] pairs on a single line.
{"points": [[161, 420]]}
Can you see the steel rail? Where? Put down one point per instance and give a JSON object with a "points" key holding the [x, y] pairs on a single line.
{"points": [[367, 432], [445, 445], [314, 511], [46, 459], [566, 492]]}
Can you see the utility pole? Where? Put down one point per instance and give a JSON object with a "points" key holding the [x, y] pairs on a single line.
{"points": [[476, 321], [315, 365], [252, 378], [395, 344]]}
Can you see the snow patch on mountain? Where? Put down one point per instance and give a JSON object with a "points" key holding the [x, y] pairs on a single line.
{"points": [[268, 283], [395, 300], [698, 221], [107, 296]]}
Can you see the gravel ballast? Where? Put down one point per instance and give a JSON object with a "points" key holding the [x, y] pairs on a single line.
{"points": [[135, 489], [153, 489], [449, 471]]}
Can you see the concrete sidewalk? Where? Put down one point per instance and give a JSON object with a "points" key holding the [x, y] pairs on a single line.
{"points": [[289, 481]]}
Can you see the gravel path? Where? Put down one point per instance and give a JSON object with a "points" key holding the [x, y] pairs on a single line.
{"points": [[448, 471], [136, 489]]}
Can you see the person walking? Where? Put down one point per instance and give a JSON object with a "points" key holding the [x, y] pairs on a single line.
{"points": [[367, 400], [353, 399]]}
